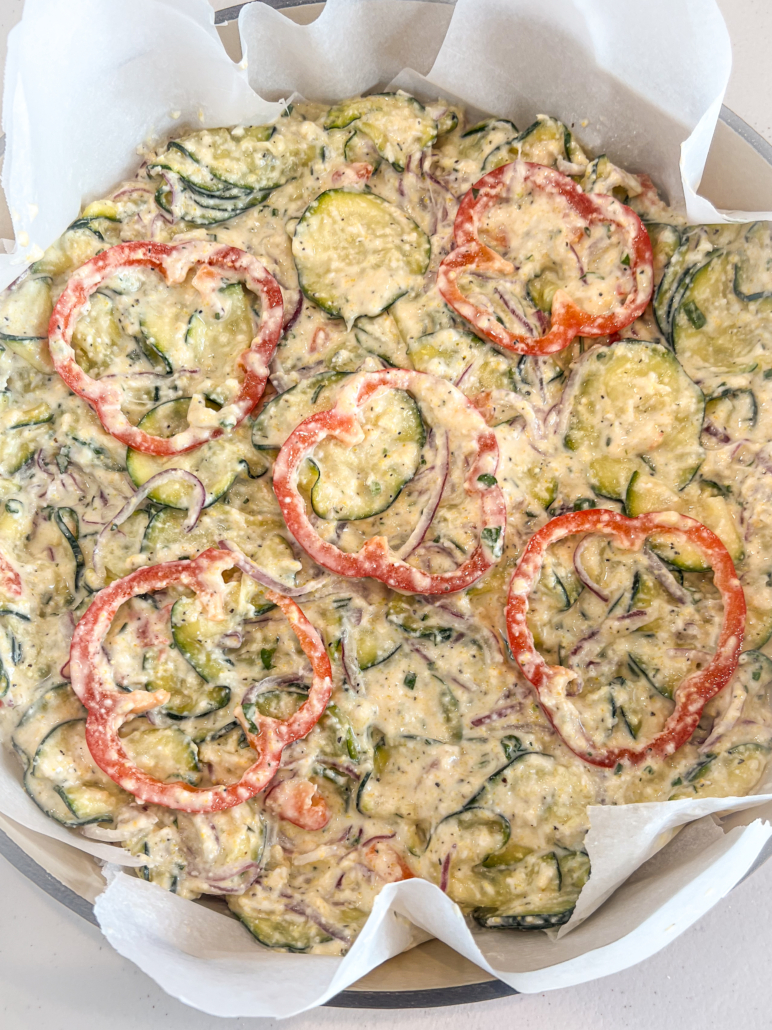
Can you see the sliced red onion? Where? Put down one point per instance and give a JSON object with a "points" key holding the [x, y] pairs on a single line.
{"points": [[445, 876], [132, 189], [616, 625], [374, 840], [313, 916], [665, 578], [498, 713], [168, 475], [442, 465], [694, 653], [464, 374], [514, 312], [295, 314], [249, 567], [584, 575]]}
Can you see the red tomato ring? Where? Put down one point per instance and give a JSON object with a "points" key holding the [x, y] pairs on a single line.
{"points": [[174, 262], [567, 320], [550, 681], [374, 558], [108, 707]]}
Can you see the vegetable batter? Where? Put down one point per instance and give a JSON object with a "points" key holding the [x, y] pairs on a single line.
{"points": [[290, 357]]}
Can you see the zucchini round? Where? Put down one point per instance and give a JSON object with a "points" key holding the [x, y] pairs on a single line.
{"points": [[714, 330], [544, 142], [364, 480], [628, 401], [397, 124], [356, 253], [702, 501], [216, 463], [285, 412]]}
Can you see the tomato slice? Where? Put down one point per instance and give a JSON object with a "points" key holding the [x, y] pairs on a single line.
{"points": [[174, 262], [374, 559], [108, 707], [567, 320], [551, 681]]}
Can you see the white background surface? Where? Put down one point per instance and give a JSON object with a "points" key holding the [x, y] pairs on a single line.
{"points": [[57, 972]]}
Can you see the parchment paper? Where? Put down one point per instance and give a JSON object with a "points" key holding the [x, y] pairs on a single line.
{"points": [[86, 83]]}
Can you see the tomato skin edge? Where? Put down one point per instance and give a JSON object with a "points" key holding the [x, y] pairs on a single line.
{"points": [[108, 707], [173, 261], [374, 558], [567, 320], [692, 694]]}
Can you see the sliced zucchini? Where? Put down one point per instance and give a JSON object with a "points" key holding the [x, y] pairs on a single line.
{"points": [[166, 862], [361, 481], [195, 636], [380, 336], [284, 413], [216, 463], [730, 414], [731, 774], [602, 176], [394, 786], [549, 887], [37, 415], [448, 353], [188, 700], [286, 932], [98, 338], [25, 311], [545, 142], [477, 142], [561, 582], [224, 847], [122, 544], [700, 501], [534, 789], [178, 160], [359, 147], [714, 330], [200, 208], [57, 705], [333, 735], [397, 124], [665, 241], [758, 626], [64, 781], [375, 643], [356, 253], [260, 537], [185, 334], [165, 754], [752, 282], [472, 835], [694, 248], [402, 614], [259, 157], [632, 400]]}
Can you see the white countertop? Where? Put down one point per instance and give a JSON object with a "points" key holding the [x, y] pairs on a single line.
{"points": [[56, 970]]}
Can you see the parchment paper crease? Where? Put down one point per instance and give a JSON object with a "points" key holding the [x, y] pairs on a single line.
{"points": [[86, 83]]}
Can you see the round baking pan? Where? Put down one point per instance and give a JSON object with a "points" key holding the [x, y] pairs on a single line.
{"points": [[450, 979]]}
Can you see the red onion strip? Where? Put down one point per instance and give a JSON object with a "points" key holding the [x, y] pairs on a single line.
{"points": [[442, 463], [249, 567], [665, 578], [194, 509], [584, 576]]}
